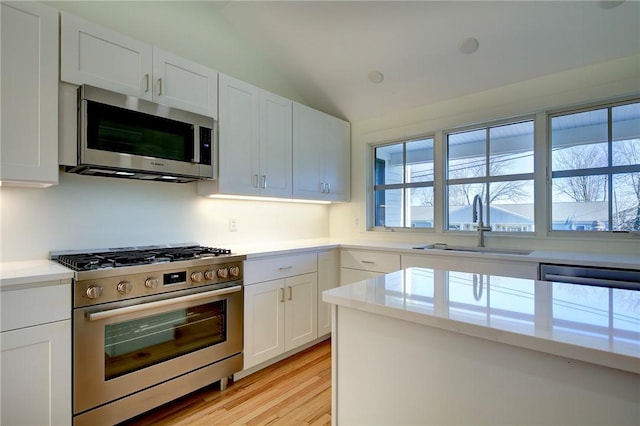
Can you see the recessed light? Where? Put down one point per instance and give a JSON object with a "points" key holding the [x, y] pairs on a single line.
{"points": [[469, 45], [376, 77]]}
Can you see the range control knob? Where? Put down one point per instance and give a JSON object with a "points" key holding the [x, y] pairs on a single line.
{"points": [[209, 275], [124, 287], [151, 283], [234, 271], [223, 273], [196, 277], [94, 291]]}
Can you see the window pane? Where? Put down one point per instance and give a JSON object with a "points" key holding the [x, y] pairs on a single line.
{"points": [[626, 202], [389, 164], [511, 149], [626, 134], [460, 216], [579, 141], [466, 154], [580, 203], [388, 208], [420, 161], [511, 207], [420, 212]]}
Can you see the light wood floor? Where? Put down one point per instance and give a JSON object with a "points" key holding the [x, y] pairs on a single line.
{"points": [[295, 391]]}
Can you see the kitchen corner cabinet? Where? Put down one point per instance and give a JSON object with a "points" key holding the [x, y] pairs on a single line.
{"points": [[35, 354], [321, 155], [516, 269], [254, 143], [279, 314], [29, 105], [95, 55], [327, 279], [358, 265]]}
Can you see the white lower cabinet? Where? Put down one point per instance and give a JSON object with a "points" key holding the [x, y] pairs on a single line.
{"points": [[279, 315], [328, 277], [516, 269], [35, 354], [358, 265]]}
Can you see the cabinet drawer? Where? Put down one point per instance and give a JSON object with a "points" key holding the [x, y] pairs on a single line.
{"points": [[274, 268], [370, 260], [36, 305]]}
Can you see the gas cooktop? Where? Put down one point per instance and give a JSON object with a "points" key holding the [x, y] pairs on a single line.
{"points": [[88, 260]]}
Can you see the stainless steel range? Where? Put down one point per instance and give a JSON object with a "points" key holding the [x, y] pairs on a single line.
{"points": [[151, 324]]}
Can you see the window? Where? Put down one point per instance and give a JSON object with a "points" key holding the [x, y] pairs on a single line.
{"points": [[496, 163], [403, 184], [595, 163]]}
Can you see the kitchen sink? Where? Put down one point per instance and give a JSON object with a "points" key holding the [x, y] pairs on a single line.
{"points": [[473, 249]]}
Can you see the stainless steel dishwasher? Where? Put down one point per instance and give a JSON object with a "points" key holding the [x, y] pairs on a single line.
{"points": [[587, 275]]}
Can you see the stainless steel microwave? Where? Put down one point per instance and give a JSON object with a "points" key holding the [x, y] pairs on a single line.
{"points": [[124, 136]]}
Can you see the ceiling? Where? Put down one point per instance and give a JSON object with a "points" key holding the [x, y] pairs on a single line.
{"points": [[326, 49]]}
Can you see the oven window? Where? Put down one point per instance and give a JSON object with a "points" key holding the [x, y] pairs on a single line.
{"points": [[130, 132], [136, 344]]}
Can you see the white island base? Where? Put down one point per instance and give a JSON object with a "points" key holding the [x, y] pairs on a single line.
{"points": [[390, 371]]}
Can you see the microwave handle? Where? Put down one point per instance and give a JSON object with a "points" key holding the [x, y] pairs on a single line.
{"points": [[100, 315]]}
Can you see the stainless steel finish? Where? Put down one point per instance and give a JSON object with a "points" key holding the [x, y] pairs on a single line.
{"points": [[197, 277], [159, 87], [328, 188], [106, 163], [124, 287], [146, 83], [477, 207], [264, 181], [284, 268], [281, 294], [94, 291], [224, 382], [234, 271], [601, 277], [290, 292], [368, 261], [151, 283], [110, 313], [222, 273], [255, 181], [322, 187]]}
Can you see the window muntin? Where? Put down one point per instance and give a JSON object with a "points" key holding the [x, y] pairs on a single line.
{"points": [[595, 169], [403, 184], [497, 163]]}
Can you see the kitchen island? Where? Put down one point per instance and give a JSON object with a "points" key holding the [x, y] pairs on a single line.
{"points": [[427, 346]]}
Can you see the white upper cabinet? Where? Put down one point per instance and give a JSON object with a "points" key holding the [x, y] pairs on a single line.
{"points": [[321, 155], [29, 81], [254, 143], [95, 55]]}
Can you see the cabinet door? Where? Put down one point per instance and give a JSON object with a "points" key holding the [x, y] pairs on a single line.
{"points": [[36, 375], [238, 137], [327, 279], [91, 54], [29, 81], [301, 317], [337, 159], [308, 152], [263, 322], [184, 84], [275, 145]]}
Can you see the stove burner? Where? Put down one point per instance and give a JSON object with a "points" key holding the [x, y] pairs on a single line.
{"points": [[132, 257]]}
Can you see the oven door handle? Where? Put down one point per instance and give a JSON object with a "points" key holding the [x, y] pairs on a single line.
{"points": [[100, 315]]}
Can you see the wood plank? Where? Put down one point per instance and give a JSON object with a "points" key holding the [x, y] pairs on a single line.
{"points": [[294, 391]]}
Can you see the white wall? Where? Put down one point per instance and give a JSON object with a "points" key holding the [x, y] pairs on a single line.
{"points": [[597, 82]]}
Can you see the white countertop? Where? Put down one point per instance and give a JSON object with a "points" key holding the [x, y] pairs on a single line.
{"points": [[591, 324], [32, 272]]}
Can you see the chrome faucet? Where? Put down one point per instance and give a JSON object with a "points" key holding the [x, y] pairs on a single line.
{"points": [[477, 206]]}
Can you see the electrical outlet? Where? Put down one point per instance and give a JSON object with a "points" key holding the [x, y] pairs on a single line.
{"points": [[233, 224]]}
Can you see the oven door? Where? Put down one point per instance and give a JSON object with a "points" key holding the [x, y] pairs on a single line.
{"points": [[123, 347]]}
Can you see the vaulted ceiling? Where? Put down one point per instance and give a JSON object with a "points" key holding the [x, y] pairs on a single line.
{"points": [[328, 49]]}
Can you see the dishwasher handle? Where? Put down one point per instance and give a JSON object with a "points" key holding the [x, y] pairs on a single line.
{"points": [[600, 282]]}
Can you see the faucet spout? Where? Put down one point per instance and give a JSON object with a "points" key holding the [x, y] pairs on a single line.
{"points": [[477, 217]]}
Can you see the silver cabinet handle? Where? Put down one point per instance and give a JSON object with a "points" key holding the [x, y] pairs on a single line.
{"points": [[96, 316], [322, 187], [264, 181], [255, 181], [368, 261], [328, 188], [284, 268], [146, 83], [281, 294], [290, 293], [159, 87]]}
